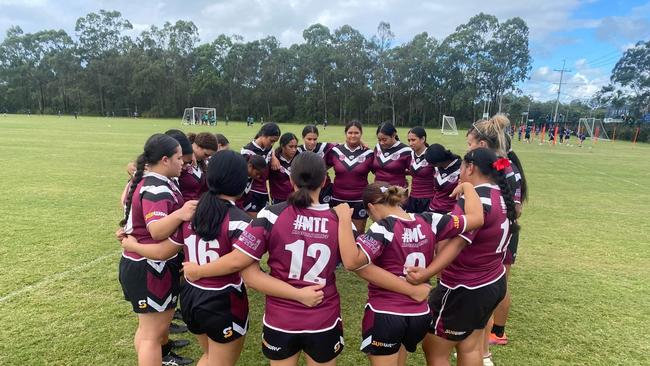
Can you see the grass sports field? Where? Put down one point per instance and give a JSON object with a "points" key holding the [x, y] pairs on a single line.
{"points": [[580, 285]]}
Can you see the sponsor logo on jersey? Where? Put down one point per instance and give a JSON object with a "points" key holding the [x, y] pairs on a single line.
{"points": [[413, 235], [361, 159], [369, 242], [456, 220], [311, 224], [394, 157], [155, 213], [142, 304], [227, 332], [249, 240]]}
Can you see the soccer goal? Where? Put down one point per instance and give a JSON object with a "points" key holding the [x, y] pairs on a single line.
{"points": [[593, 128], [199, 116], [448, 126]]}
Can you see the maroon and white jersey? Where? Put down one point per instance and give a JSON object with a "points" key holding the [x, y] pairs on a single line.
{"points": [[322, 149], [445, 181], [390, 165], [201, 252], [247, 151], [192, 182], [303, 251], [279, 182], [480, 263], [351, 168], [395, 243], [513, 177], [422, 176], [155, 197]]}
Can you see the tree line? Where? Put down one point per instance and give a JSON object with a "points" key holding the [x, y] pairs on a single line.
{"points": [[335, 75]]}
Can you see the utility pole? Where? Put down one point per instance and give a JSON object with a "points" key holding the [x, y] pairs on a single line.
{"points": [[557, 101]]}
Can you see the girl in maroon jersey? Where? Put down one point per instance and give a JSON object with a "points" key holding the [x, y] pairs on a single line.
{"points": [[392, 157], [258, 197], [472, 282], [154, 208], [279, 183], [352, 163], [422, 180], [445, 178], [310, 143], [491, 134], [215, 308], [394, 323], [300, 236]]}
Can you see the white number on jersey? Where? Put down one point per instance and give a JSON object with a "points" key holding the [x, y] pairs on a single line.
{"points": [[318, 251], [415, 259], [504, 236], [201, 251]]}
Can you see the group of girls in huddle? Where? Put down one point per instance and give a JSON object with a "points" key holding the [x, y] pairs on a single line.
{"points": [[463, 239]]}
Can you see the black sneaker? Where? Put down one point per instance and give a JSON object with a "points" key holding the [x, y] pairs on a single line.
{"points": [[178, 315], [173, 359], [178, 343], [177, 328]]}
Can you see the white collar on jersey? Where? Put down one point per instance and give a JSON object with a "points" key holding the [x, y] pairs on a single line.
{"points": [[378, 147], [403, 219], [416, 154], [159, 176], [256, 145], [487, 185], [319, 206], [283, 158], [352, 150], [452, 163]]}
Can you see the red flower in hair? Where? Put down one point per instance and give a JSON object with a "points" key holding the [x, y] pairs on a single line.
{"points": [[501, 164]]}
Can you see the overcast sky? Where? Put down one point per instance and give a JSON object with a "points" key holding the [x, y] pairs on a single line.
{"points": [[591, 35]]}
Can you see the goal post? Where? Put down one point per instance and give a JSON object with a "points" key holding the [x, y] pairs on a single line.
{"points": [[593, 128], [199, 116], [449, 125]]}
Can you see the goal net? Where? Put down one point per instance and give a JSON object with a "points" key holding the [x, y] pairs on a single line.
{"points": [[449, 125], [199, 116], [592, 128]]}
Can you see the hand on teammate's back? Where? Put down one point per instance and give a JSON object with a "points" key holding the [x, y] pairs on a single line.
{"points": [[416, 275], [421, 292], [120, 234], [191, 271], [459, 190], [187, 211], [311, 296]]}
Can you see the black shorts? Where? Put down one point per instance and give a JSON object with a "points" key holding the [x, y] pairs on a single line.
{"points": [[417, 205], [359, 211], [458, 312], [255, 202], [383, 334], [325, 194], [221, 315], [150, 286], [511, 251], [321, 347]]}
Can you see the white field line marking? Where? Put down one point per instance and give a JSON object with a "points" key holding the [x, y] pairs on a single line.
{"points": [[55, 277]]}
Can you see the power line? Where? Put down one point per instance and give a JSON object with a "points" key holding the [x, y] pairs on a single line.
{"points": [[557, 101]]}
